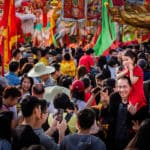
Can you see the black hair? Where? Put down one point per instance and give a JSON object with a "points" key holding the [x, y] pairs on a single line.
{"points": [[5, 125], [142, 56], [86, 82], [34, 50], [38, 88], [113, 61], [65, 81], [109, 83], [45, 52], [67, 56], [13, 66], [56, 66], [89, 51], [62, 101], [131, 54], [22, 62], [86, 118], [112, 51], [127, 79], [11, 92], [78, 95], [102, 61], [28, 105], [15, 52], [81, 72], [141, 139], [27, 77], [107, 89], [26, 68], [100, 76], [44, 105]]}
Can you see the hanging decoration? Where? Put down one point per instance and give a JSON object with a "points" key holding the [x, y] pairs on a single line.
{"points": [[74, 10]]}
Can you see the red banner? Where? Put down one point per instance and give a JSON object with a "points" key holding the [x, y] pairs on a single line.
{"points": [[74, 9]]}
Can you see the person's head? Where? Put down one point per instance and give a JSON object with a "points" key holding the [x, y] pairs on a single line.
{"points": [[113, 53], [142, 63], [110, 83], [141, 139], [124, 86], [67, 57], [87, 83], [31, 107], [14, 66], [17, 54], [113, 62], [11, 96], [99, 79], [26, 83], [26, 68], [102, 61], [56, 74], [45, 53], [53, 55], [5, 125], [65, 81], [105, 95], [89, 51], [44, 110], [81, 72], [38, 90], [129, 57], [77, 90], [85, 119], [62, 101]]}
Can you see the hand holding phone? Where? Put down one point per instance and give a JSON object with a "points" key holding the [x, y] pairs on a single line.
{"points": [[59, 115]]}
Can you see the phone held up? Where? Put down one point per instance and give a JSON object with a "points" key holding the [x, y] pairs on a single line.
{"points": [[59, 115]]}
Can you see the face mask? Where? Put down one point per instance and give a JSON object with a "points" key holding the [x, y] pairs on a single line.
{"points": [[50, 59], [24, 54]]}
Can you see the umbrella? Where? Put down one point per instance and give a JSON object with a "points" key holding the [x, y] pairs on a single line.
{"points": [[52, 91]]}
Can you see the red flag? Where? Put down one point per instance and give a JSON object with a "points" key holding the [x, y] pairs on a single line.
{"points": [[10, 29]]}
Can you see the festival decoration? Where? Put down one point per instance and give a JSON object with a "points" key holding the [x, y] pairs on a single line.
{"points": [[74, 10], [134, 18], [108, 33]]}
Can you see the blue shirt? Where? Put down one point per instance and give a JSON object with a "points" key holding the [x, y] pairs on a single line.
{"points": [[12, 78], [4, 145], [46, 140]]}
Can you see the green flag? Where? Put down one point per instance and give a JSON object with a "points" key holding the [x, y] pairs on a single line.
{"points": [[108, 33]]}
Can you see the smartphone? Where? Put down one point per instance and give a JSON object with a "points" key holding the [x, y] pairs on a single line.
{"points": [[96, 90], [59, 115]]}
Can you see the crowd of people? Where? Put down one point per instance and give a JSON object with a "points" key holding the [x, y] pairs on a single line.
{"points": [[69, 99]]}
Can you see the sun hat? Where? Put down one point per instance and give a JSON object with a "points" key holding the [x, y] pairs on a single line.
{"points": [[77, 85], [40, 69], [52, 91]]}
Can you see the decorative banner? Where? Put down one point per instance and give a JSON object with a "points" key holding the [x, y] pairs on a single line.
{"points": [[118, 2], [74, 10]]}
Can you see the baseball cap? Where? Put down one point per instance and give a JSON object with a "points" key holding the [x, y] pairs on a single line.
{"points": [[77, 85]]}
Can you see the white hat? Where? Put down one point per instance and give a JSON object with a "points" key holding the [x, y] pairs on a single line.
{"points": [[40, 69], [22, 49], [52, 91]]}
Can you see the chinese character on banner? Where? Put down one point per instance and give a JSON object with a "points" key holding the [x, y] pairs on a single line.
{"points": [[74, 10]]}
